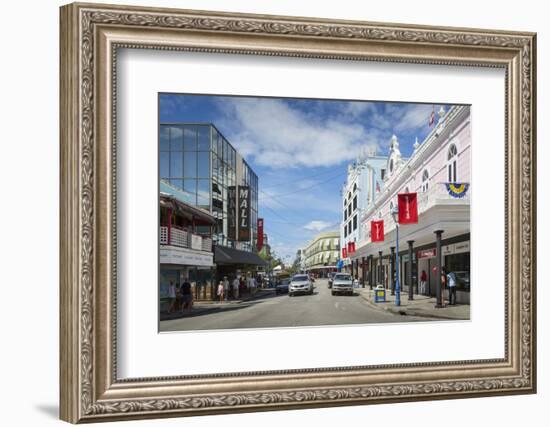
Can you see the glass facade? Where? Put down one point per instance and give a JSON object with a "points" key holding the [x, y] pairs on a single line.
{"points": [[199, 160]]}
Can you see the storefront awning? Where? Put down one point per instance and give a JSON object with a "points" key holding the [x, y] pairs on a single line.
{"points": [[225, 255]]}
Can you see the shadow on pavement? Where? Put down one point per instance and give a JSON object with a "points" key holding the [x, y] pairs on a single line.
{"points": [[201, 309]]}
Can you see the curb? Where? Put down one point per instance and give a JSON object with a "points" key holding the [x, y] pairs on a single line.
{"points": [[405, 312]]}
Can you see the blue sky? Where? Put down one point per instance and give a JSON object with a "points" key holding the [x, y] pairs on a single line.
{"points": [[300, 149]]}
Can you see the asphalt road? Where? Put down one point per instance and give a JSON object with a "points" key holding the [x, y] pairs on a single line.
{"points": [[321, 308]]}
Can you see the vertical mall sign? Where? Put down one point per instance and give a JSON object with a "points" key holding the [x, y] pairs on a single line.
{"points": [[232, 212], [244, 213]]}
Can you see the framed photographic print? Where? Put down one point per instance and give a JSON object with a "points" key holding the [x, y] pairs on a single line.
{"points": [[266, 213]]}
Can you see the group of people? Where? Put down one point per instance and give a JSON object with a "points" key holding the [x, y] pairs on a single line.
{"points": [[237, 288], [181, 295], [448, 280]]}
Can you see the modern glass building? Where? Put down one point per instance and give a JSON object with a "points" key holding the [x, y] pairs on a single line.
{"points": [[197, 159]]}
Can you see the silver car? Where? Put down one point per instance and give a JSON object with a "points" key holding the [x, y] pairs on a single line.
{"points": [[300, 284], [342, 283]]}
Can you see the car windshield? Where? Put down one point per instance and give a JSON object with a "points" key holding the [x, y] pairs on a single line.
{"points": [[342, 277], [299, 278]]}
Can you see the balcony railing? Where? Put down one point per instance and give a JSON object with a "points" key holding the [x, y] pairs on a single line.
{"points": [[438, 194], [183, 238]]}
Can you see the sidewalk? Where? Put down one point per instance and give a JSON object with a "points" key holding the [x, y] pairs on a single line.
{"points": [[207, 307], [422, 306]]}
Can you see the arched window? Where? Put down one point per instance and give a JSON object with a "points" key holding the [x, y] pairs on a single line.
{"points": [[425, 180], [407, 189], [355, 187], [452, 157], [391, 165]]}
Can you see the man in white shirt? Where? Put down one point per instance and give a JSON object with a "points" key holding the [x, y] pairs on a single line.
{"points": [[451, 283], [236, 288], [252, 285], [226, 287]]}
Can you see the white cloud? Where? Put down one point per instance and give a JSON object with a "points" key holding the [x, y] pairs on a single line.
{"points": [[317, 225], [414, 117], [278, 135]]}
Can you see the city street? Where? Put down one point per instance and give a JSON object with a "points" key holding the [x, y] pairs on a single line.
{"points": [[321, 308]]}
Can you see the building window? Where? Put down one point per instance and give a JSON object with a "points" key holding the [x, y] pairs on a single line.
{"points": [[345, 230], [355, 202], [349, 227], [349, 209], [425, 180], [345, 214], [452, 156], [354, 187], [382, 173], [355, 222]]}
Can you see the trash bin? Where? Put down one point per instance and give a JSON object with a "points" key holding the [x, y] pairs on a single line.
{"points": [[379, 294]]}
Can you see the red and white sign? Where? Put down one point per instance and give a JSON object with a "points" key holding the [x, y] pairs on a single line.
{"points": [[260, 234], [377, 231], [351, 248], [408, 208], [426, 253], [344, 253]]}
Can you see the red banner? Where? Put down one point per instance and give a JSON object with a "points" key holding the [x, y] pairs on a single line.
{"points": [[344, 253], [352, 247], [377, 231], [408, 210], [260, 234]]}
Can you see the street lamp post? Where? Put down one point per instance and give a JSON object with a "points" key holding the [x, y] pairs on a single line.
{"points": [[394, 214]]}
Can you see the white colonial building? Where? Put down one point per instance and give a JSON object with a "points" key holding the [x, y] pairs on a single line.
{"points": [[439, 172], [364, 182]]}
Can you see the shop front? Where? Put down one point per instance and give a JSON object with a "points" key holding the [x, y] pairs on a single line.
{"points": [[178, 265], [232, 263], [455, 258]]}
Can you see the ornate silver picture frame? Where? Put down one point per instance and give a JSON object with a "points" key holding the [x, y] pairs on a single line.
{"points": [[91, 35]]}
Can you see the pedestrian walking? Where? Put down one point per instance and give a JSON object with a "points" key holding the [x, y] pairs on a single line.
{"points": [[221, 291], [226, 287], [187, 295], [171, 297], [252, 285], [451, 283], [242, 286], [236, 283], [423, 283]]}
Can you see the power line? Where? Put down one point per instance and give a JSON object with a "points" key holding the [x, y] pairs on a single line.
{"points": [[280, 216], [307, 188], [279, 202], [296, 180]]}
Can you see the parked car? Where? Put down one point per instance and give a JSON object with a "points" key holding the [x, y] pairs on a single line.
{"points": [[330, 279], [342, 283], [300, 284], [282, 287]]}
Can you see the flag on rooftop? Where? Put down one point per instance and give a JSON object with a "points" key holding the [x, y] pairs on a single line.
{"points": [[432, 117]]}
